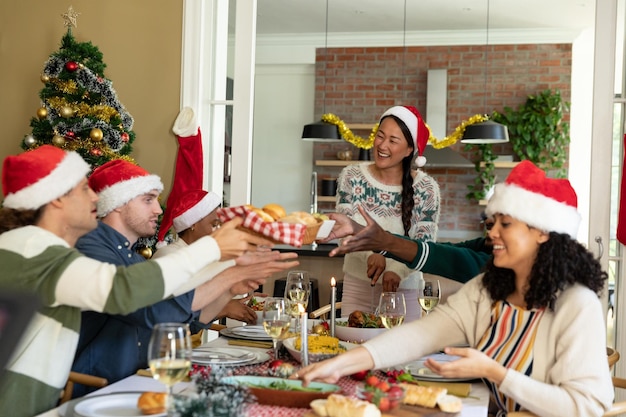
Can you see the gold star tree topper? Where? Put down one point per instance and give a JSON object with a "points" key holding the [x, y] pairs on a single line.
{"points": [[69, 17]]}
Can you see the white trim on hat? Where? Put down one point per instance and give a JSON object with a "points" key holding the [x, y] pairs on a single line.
{"points": [[65, 176], [122, 192], [409, 118], [534, 209], [200, 210]]}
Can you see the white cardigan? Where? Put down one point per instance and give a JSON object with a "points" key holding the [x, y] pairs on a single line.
{"points": [[570, 375]]}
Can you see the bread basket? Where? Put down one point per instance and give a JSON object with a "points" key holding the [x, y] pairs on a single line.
{"points": [[311, 232]]}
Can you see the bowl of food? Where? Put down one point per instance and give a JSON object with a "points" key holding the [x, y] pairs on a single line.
{"points": [[320, 347], [283, 392], [359, 327], [257, 304], [381, 393]]}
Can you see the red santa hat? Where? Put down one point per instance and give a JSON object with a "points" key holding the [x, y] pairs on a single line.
{"points": [[192, 207], [548, 204], [118, 181], [420, 133], [34, 178]]}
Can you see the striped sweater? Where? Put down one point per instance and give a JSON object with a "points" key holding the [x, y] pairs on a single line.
{"points": [[36, 260]]}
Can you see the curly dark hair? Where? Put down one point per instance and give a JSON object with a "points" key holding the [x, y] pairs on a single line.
{"points": [[12, 219], [407, 179], [561, 261]]}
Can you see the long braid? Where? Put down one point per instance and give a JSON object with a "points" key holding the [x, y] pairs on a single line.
{"points": [[408, 202]]}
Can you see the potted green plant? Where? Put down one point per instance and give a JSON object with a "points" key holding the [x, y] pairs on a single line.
{"points": [[537, 130], [485, 168]]}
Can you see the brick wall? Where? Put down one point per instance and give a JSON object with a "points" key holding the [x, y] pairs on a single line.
{"points": [[358, 84]]}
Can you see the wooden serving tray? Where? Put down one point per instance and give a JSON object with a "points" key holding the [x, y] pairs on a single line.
{"points": [[404, 411]]}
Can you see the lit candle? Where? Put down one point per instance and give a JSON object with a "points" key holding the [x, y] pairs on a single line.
{"points": [[304, 336], [333, 311]]}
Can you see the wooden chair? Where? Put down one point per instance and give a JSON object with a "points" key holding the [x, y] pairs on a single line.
{"points": [[83, 379], [617, 409], [322, 311]]}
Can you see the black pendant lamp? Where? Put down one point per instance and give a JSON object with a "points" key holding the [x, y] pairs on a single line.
{"points": [[487, 132], [322, 131]]}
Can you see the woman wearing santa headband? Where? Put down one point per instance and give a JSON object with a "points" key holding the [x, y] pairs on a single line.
{"points": [[399, 198], [533, 320]]}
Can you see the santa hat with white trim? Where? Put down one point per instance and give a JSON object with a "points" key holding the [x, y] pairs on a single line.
{"points": [[191, 207], [35, 178], [117, 182], [420, 133], [548, 204]]}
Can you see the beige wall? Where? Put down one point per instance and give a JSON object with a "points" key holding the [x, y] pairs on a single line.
{"points": [[141, 45]]}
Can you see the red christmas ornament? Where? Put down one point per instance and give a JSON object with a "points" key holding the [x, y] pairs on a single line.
{"points": [[70, 135], [96, 152], [125, 137], [71, 66]]}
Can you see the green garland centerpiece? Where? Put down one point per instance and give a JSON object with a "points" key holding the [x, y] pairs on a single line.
{"points": [[213, 398]]}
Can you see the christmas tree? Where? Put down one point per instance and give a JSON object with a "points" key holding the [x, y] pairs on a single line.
{"points": [[80, 110]]}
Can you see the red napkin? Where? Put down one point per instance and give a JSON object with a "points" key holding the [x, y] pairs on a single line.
{"points": [[290, 234]]}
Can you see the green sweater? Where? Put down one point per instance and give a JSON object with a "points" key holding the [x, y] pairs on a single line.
{"points": [[38, 261], [458, 261]]}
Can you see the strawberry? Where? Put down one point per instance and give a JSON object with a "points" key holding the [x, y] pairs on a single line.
{"points": [[372, 380], [384, 404], [383, 386], [275, 364], [360, 376]]}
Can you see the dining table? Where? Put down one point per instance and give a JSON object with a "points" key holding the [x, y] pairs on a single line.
{"points": [[474, 405]]}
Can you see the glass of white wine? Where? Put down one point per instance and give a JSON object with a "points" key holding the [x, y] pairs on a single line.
{"points": [[392, 309], [430, 295], [276, 319], [169, 354], [297, 291]]}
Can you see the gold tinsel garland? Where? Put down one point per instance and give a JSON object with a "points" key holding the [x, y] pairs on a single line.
{"points": [[101, 112], [362, 143]]}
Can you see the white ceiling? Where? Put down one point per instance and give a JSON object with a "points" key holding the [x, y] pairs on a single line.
{"points": [[309, 16]]}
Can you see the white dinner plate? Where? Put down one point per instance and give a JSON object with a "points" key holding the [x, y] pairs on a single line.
{"points": [[421, 372], [222, 356], [109, 405], [246, 333]]}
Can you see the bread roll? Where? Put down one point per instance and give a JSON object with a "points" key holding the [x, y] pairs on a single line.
{"points": [[450, 404], [152, 402], [263, 215], [275, 210], [422, 396], [319, 406], [340, 406]]}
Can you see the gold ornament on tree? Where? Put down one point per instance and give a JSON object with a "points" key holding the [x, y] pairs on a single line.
{"points": [[42, 113], [96, 134], [44, 78], [58, 140], [66, 112]]}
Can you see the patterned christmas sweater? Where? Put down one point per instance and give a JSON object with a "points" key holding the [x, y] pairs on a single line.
{"points": [[67, 282], [357, 186]]}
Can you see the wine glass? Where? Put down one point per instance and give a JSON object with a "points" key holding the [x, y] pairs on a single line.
{"points": [[392, 309], [430, 295], [276, 319], [297, 290], [169, 354]]}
